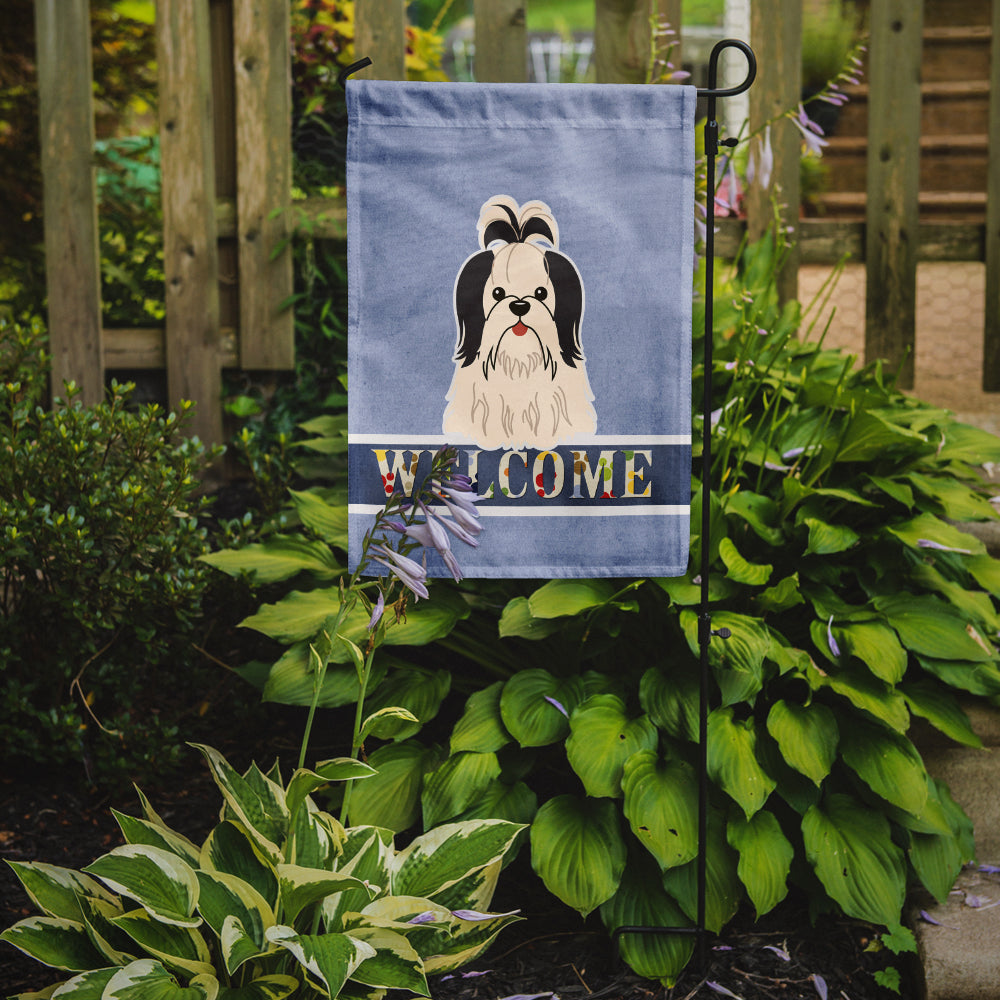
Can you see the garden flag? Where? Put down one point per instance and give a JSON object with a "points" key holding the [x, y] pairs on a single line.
{"points": [[520, 265]]}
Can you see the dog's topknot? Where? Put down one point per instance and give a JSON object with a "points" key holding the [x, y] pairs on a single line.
{"points": [[501, 219]]}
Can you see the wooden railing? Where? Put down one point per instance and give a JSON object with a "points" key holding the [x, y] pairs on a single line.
{"points": [[226, 161]]}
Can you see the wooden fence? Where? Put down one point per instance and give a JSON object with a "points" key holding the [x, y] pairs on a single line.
{"points": [[226, 160]]}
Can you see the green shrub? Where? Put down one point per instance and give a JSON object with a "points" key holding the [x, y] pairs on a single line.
{"points": [[280, 899], [854, 603], [99, 540]]}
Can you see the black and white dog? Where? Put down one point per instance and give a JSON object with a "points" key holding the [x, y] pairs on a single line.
{"points": [[520, 380]]}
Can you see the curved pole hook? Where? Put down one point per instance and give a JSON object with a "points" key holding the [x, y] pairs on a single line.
{"points": [[713, 69], [353, 68]]}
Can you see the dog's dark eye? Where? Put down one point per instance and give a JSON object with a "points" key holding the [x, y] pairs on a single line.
{"points": [[541, 294], [499, 293]]}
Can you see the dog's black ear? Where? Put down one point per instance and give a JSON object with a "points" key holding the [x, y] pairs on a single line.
{"points": [[569, 305], [469, 305]]}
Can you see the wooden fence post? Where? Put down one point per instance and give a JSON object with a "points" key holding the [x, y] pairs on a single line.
{"points": [[190, 252], [501, 41], [893, 183], [991, 332], [72, 255], [262, 60], [380, 34], [776, 35], [622, 40]]}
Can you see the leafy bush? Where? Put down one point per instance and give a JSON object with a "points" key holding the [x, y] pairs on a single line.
{"points": [[99, 539], [279, 899], [854, 603]]}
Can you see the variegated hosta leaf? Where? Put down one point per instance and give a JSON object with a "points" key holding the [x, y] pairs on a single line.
{"points": [[441, 857], [225, 897], [391, 799], [86, 986], [147, 979], [230, 849], [642, 902], [274, 987], [578, 851], [807, 736], [456, 784], [467, 940], [56, 891], [315, 838], [765, 858], [535, 706], [300, 887], [723, 889], [256, 801], [177, 947], [475, 891], [415, 689], [661, 799], [850, 847], [732, 760], [888, 763], [367, 853], [141, 831], [329, 959], [602, 737], [481, 727], [54, 941], [395, 964], [116, 947], [304, 782], [158, 880]]}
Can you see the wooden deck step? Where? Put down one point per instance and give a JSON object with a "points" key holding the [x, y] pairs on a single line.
{"points": [[957, 206], [956, 53], [946, 104]]}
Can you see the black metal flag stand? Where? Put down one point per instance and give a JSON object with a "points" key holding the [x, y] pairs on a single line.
{"points": [[705, 631]]}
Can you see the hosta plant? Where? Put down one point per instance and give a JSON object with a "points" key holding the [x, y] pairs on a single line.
{"points": [[279, 900]]}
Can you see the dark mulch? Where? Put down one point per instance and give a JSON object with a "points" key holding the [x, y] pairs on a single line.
{"points": [[551, 951]]}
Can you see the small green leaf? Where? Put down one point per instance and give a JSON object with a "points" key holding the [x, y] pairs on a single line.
{"points": [[279, 558], [517, 620], [732, 760], [671, 699], [391, 798], [930, 627], [530, 706], [807, 736], [936, 704], [765, 858], [888, 763], [559, 598], [739, 569], [456, 784], [827, 539], [327, 520], [481, 727]]}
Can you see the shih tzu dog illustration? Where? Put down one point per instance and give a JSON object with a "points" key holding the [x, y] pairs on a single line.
{"points": [[520, 379]]}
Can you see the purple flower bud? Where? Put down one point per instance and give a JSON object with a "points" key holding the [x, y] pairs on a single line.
{"points": [[820, 983], [427, 917], [475, 915], [834, 648], [377, 612], [927, 543], [558, 705]]}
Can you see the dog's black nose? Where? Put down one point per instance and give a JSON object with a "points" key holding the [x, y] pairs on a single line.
{"points": [[519, 307]]}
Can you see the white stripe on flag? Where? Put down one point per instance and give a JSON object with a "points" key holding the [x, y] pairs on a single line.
{"points": [[437, 440], [669, 510]]}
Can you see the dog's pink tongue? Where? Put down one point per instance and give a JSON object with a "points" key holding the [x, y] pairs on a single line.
{"points": [[519, 329]]}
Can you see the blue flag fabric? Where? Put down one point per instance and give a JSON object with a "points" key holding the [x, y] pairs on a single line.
{"points": [[520, 262]]}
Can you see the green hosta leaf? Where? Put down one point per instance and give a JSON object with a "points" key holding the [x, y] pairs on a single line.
{"points": [[279, 558], [758, 511], [602, 738], [865, 692], [876, 646], [260, 809], [765, 858], [559, 598], [391, 798], [937, 859], [225, 897], [928, 528], [965, 443], [893, 488], [941, 709], [807, 736], [986, 571], [661, 799], [976, 678], [180, 948], [641, 901], [515, 803], [330, 959], [54, 941], [395, 964], [683, 591], [159, 881], [301, 887], [517, 620], [957, 501], [932, 628], [141, 831], [870, 435], [739, 569], [456, 784], [438, 859], [527, 711], [56, 891], [415, 689], [304, 782], [292, 680], [850, 847], [481, 728], [578, 851], [671, 700], [230, 849], [385, 723], [147, 979], [723, 889], [827, 539], [976, 605], [732, 760], [275, 987], [783, 595], [327, 520], [888, 763], [738, 661]]}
